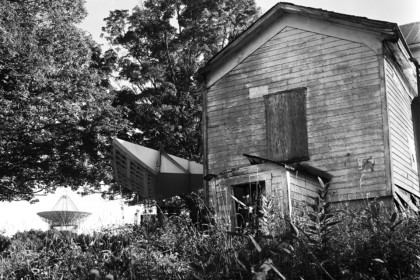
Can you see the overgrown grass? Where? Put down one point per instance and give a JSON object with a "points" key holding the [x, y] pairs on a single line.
{"points": [[366, 243]]}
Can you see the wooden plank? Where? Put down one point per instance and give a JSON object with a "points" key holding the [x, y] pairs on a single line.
{"points": [[344, 103], [348, 154], [353, 178], [338, 60], [374, 126], [340, 134], [309, 41], [366, 185], [363, 115], [353, 110], [345, 149], [327, 164], [316, 89], [406, 199], [398, 111], [286, 125], [223, 151], [228, 148], [280, 62], [318, 47], [363, 138], [290, 36], [241, 103], [306, 186], [316, 68], [401, 129], [314, 82], [402, 180]]}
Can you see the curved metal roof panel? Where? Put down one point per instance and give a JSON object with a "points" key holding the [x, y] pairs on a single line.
{"points": [[411, 33]]}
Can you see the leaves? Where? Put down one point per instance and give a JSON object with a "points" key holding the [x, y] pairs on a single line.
{"points": [[57, 118], [238, 201], [378, 260], [162, 47], [256, 245]]}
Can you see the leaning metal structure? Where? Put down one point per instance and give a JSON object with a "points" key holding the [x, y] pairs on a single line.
{"points": [[64, 216]]}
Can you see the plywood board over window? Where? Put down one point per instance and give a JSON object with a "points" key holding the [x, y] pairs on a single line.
{"points": [[287, 135]]}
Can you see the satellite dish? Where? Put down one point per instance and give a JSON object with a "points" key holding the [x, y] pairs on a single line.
{"points": [[64, 216]]}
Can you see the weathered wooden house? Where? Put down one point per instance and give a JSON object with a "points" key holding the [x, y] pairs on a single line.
{"points": [[307, 93]]}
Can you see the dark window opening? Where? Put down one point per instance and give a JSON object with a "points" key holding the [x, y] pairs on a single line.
{"points": [[415, 113], [247, 211], [287, 136]]}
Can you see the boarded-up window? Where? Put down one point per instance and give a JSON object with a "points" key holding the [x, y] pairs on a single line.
{"points": [[287, 137]]}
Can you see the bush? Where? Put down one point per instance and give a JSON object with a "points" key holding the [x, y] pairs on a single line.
{"points": [[4, 243], [367, 243]]}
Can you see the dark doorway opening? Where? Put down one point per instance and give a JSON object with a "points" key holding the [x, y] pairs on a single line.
{"points": [[247, 211]]}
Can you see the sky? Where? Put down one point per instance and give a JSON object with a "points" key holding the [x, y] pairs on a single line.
{"points": [[19, 216], [396, 11]]}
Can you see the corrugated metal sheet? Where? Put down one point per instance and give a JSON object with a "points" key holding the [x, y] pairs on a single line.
{"points": [[143, 171], [149, 158], [411, 33]]}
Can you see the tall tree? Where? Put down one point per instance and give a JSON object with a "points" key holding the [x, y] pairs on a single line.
{"points": [[164, 43], [56, 112]]}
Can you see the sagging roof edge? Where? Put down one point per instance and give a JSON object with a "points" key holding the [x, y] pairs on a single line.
{"points": [[383, 27], [297, 166]]}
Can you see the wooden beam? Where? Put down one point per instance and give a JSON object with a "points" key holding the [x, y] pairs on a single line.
{"points": [[406, 200]]}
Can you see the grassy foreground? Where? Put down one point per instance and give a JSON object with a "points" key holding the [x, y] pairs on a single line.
{"points": [[365, 243]]}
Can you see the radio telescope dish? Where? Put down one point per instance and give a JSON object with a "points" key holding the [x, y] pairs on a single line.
{"points": [[64, 216]]}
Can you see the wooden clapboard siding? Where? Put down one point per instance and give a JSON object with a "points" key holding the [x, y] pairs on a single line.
{"points": [[304, 190], [344, 109], [400, 129]]}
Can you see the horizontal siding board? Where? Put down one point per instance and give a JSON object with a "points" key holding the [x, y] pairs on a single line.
{"points": [[358, 67], [320, 47], [356, 128], [362, 117], [336, 60], [316, 89]]}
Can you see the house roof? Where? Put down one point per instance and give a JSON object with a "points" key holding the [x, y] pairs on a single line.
{"points": [[299, 166], [385, 30], [149, 158]]}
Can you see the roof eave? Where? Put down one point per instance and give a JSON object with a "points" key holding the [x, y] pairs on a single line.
{"points": [[384, 29], [241, 39]]}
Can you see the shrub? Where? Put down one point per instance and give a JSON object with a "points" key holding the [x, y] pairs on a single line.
{"points": [[4, 243], [367, 243]]}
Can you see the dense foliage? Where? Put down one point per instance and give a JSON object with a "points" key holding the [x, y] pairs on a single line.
{"points": [[162, 45], [58, 109], [368, 243], [56, 116]]}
